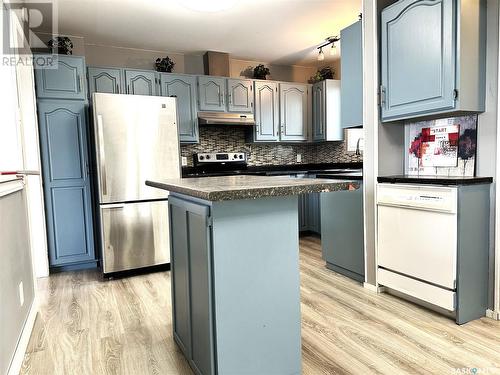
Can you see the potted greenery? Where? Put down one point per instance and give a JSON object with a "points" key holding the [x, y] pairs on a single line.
{"points": [[164, 64], [61, 45], [322, 74], [260, 72]]}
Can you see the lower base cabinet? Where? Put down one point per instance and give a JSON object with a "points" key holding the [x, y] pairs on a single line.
{"points": [[342, 236], [236, 285], [309, 213], [191, 283]]}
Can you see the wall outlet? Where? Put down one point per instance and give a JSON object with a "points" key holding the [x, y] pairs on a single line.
{"points": [[184, 161], [299, 158], [21, 294]]}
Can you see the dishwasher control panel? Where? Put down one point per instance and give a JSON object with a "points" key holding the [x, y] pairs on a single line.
{"points": [[434, 198]]}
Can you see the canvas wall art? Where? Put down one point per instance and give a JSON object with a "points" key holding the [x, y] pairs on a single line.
{"points": [[442, 147]]}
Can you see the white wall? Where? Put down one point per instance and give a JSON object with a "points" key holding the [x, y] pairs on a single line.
{"points": [[18, 151], [104, 55]]}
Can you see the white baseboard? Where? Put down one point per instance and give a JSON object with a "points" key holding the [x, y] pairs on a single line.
{"points": [[22, 345], [493, 314]]}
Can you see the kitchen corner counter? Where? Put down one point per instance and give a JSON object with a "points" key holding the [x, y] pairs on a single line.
{"points": [[248, 187]]}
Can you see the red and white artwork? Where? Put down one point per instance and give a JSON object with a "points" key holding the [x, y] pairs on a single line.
{"points": [[442, 147]]}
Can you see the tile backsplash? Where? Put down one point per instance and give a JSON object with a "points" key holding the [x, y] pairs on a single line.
{"points": [[232, 139]]}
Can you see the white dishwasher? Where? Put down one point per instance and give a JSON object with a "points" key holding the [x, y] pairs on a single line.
{"points": [[417, 241]]}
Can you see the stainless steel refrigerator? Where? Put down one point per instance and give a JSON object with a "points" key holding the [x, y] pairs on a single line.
{"points": [[136, 139]]}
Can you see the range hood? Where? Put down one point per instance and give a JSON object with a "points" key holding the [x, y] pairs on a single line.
{"points": [[224, 118]]}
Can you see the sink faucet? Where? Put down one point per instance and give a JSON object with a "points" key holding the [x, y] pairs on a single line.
{"points": [[358, 150]]}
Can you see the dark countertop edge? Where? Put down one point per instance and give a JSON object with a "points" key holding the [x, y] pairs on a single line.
{"points": [[191, 171], [255, 193], [339, 177], [438, 180]]}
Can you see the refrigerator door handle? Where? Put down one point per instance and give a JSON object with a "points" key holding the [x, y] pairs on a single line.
{"points": [[102, 157], [111, 206]]}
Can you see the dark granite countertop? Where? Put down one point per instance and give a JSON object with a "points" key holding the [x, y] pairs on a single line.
{"points": [[435, 180], [248, 187], [341, 176], [272, 169]]}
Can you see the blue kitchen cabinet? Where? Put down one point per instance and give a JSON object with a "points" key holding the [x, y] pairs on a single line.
{"points": [[65, 81], [212, 93], [294, 111], [433, 58], [318, 111], [314, 213], [266, 112], [141, 82], [351, 84], [107, 80], [66, 182], [225, 313], [192, 299], [342, 238], [303, 212], [183, 87], [326, 100], [239, 95]]}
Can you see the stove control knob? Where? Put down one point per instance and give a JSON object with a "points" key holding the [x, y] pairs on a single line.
{"points": [[201, 157], [235, 156], [241, 156], [208, 157]]}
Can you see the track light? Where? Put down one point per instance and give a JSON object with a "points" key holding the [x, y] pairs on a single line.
{"points": [[333, 50], [321, 55]]}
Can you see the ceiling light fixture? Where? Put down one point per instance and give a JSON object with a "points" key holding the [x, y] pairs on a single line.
{"points": [[321, 55], [333, 50]]}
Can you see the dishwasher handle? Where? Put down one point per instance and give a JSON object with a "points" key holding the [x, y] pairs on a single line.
{"points": [[419, 207]]}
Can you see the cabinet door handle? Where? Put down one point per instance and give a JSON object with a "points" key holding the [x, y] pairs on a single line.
{"points": [[128, 89], [78, 83], [117, 89], [229, 99]]}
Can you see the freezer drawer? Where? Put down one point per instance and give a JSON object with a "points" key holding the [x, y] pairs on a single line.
{"points": [[134, 235]]}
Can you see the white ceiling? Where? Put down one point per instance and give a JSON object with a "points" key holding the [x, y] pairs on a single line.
{"points": [[275, 31]]}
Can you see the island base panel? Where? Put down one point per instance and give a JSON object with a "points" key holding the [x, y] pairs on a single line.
{"points": [[253, 262]]}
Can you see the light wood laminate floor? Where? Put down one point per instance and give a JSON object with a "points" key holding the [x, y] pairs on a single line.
{"points": [[87, 326]]}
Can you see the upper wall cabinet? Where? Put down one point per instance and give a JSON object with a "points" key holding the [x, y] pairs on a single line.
{"points": [[351, 85], [326, 101], [266, 112], [433, 58], [239, 95], [318, 112], [212, 92], [141, 82], [107, 80], [183, 87], [67, 81], [294, 111]]}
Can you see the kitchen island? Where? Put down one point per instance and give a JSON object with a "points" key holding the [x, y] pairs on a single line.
{"points": [[235, 271]]}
